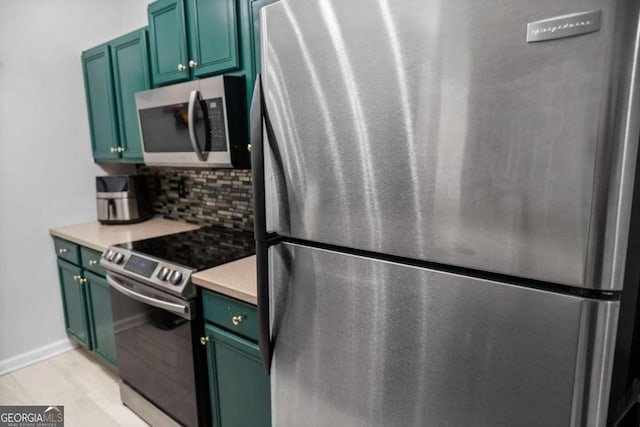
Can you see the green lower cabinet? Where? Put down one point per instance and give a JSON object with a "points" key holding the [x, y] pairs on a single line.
{"points": [[86, 300], [101, 318], [239, 387], [74, 301]]}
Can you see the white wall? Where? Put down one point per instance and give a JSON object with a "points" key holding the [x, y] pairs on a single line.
{"points": [[46, 169]]}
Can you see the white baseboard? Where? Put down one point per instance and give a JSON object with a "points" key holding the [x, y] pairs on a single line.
{"points": [[35, 355]]}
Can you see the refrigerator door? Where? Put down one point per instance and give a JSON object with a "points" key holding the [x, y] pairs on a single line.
{"points": [[364, 342], [435, 130]]}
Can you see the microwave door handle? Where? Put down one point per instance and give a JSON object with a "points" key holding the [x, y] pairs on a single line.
{"points": [[193, 99]]}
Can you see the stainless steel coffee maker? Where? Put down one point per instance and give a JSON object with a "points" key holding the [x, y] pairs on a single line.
{"points": [[122, 199]]}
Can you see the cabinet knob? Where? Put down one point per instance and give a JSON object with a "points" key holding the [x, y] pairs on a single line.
{"points": [[112, 149], [236, 320], [82, 280], [181, 67], [193, 64], [93, 262], [63, 250], [76, 278], [204, 340], [120, 149], [249, 148]]}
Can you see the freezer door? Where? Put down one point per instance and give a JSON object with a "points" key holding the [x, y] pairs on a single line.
{"points": [[363, 342], [432, 129]]}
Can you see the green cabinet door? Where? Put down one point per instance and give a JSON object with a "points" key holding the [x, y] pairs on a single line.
{"points": [[239, 387], [73, 298], [249, 42], [168, 42], [212, 35], [98, 84], [130, 68], [101, 318]]}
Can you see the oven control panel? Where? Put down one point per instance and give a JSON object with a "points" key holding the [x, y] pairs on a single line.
{"points": [[175, 279]]}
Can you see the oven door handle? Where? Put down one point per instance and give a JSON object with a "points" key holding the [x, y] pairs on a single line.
{"points": [[180, 309]]}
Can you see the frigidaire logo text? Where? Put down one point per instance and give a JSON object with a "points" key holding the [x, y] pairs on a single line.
{"points": [[554, 28], [559, 27]]}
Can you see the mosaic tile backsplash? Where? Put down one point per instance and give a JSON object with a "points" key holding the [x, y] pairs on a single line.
{"points": [[221, 197]]}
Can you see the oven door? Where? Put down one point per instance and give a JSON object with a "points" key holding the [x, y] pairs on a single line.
{"points": [[154, 342]]}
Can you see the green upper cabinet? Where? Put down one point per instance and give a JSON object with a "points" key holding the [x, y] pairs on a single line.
{"points": [[130, 68], [249, 42], [98, 84], [73, 298], [213, 41], [192, 38], [168, 41], [113, 73]]}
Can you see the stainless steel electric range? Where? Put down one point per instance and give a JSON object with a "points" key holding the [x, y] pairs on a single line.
{"points": [[157, 320]]}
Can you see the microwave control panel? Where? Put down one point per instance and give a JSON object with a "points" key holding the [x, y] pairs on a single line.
{"points": [[215, 111]]}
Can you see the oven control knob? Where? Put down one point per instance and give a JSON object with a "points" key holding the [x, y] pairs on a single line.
{"points": [[108, 255], [163, 273], [175, 277], [118, 258]]}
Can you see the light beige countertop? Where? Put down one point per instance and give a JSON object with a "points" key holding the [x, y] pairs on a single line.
{"points": [[236, 279], [98, 237]]}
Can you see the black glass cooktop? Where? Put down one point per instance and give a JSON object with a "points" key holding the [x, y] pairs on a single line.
{"points": [[199, 249]]}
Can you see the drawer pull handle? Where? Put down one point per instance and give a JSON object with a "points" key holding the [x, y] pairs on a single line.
{"points": [[93, 262], [236, 320], [204, 340], [63, 250]]}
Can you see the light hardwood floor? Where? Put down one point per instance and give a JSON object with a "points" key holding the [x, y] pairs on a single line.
{"points": [[87, 389]]}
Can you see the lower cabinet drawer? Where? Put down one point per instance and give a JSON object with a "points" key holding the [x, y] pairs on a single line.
{"points": [[228, 313], [67, 250], [91, 261]]}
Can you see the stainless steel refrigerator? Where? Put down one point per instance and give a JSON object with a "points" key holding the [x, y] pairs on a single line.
{"points": [[443, 196]]}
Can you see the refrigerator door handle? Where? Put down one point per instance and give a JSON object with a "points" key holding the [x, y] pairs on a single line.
{"points": [[260, 226]]}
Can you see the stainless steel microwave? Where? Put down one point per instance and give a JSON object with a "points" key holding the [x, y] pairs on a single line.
{"points": [[200, 123]]}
